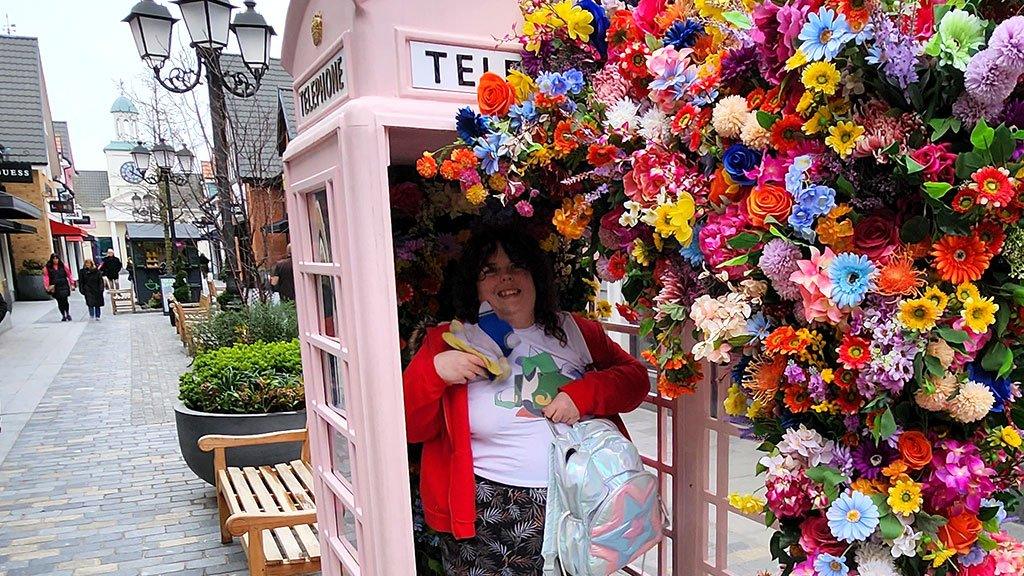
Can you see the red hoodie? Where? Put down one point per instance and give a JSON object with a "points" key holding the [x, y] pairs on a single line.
{"points": [[437, 415]]}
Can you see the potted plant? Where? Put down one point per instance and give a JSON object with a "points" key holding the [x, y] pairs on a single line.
{"points": [[240, 390], [30, 281]]}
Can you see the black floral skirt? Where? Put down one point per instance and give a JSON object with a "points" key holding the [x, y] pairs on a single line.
{"points": [[509, 534]]}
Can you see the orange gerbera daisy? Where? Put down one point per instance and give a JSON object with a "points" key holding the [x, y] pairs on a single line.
{"points": [[787, 133], [565, 139], [994, 186], [798, 399], [784, 340], [898, 276], [991, 235], [854, 351], [960, 259], [857, 12]]}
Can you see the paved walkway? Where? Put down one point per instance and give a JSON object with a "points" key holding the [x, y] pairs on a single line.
{"points": [[93, 481]]}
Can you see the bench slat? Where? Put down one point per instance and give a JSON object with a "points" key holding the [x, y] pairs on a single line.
{"points": [[303, 472], [297, 490], [289, 545], [305, 531], [234, 505], [245, 495]]}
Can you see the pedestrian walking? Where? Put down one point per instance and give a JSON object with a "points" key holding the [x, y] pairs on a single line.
{"points": [[90, 284], [57, 280], [111, 267], [281, 277]]}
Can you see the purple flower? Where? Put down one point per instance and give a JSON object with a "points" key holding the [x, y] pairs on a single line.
{"points": [[868, 459], [778, 262], [817, 387], [986, 80], [1008, 43], [896, 51], [739, 66], [1013, 113], [969, 109], [842, 459], [794, 373]]}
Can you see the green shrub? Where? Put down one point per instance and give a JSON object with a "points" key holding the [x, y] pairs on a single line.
{"points": [[32, 267], [254, 323], [245, 379]]}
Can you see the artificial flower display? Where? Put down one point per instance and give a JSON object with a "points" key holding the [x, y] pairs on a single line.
{"points": [[824, 195]]}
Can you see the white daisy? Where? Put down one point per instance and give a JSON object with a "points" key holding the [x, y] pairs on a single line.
{"points": [[622, 116], [655, 126]]}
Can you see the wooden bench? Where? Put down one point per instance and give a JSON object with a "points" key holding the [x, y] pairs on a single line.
{"points": [[122, 300], [188, 315], [271, 507]]}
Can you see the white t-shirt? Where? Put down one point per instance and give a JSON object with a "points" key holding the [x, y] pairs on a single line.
{"points": [[510, 437]]}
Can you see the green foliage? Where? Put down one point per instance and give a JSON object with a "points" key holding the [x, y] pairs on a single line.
{"points": [[253, 323], [182, 290], [32, 267], [245, 379]]}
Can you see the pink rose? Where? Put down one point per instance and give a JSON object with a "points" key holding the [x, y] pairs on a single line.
{"points": [[938, 161], [816, 537], [876, 235], [645, 13]]}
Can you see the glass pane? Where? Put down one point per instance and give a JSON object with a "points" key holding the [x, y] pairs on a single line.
{"points": [[712, 538], [320, 226], [341, 457], [743, 458], [347, 528], [334, 380], [748, 546], [325, 301], [712, 461]]}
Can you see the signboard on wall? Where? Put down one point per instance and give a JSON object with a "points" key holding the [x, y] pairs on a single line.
{"points": [[62, 206], [455, 68], [16, 172], [329, 84]]}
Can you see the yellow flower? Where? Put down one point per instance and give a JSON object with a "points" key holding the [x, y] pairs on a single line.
{"points": [[919, 314], [673, 220], [797, 60], [755, 409], [1010, 436], [940, 556], [824, 407], [550, 244], [979, 313], [843, 137], [522, 84], [821, 77], [936, 295], [966, 291], [736, 402], [640, 254], [603, 308], [541, 156], [497, 182], [805, 102], [828, 375], [476, 194], [905, 497], [746, 503], [819, 121], [577, 20]]}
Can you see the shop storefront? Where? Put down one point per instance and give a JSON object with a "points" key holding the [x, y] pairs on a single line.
{"points": [[12, 209]]}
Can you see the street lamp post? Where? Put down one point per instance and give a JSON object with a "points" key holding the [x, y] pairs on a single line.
{"points": [[163, 157], [209, 24]]}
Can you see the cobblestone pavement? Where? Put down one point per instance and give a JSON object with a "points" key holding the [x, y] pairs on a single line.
{"points": [[95, 483]]}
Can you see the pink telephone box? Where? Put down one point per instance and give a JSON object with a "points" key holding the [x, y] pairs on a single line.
{"points": [[376, 83]]}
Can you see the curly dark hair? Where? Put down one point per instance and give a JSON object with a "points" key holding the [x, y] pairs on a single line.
{"points": [[522, 250]]}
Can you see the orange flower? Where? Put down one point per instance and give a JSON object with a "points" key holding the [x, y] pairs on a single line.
{"points": [[722, 188], [465, 158], [671, 390], [960, 259], [601, 154], [785, 340], [896, 469], [798, 399], [565, 139], [836, 230], [450, 170], [915, 449], [763, 376], [572, 218], [494, 95], [960, 532], [768, 200], [427, 166], [787, 134], [865, 486], [543, 100], [899, 277]]}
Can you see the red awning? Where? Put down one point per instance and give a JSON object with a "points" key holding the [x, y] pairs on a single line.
{"points": [[72, 233]]}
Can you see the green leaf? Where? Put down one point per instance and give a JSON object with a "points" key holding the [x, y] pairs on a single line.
{"points": [[769, 518], [738, 19], [883, 506], [987, 544], [998, 359], [934, 366], [1018, 134], [845, 186], [1002, 320], [744, 240], [982, 135], [914, 230], [1002, 145], [937, 189], [927, 523], [913, 167], [737, 261], [969, 162], [653, 42], [740, 341], [646, 325], [766, 120], [890, 527], [987, 513], [952, 335], [939, 127], [884, 427], [825, 475]]}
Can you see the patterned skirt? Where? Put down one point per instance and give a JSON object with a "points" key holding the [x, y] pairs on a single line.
{"points": [[509, 534]]}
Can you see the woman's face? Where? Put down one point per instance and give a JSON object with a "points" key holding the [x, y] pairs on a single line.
{"points": [[89, 264], [508, 288], [54, 260]]}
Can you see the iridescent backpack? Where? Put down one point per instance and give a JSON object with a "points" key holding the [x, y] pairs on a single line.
{"points": [[603, 507]]}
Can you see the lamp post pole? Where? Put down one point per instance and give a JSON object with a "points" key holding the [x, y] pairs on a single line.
{"points": [[225, 195]]}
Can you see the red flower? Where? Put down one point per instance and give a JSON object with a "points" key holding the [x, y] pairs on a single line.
{"points": [[845, 378], [960, 259], [964, 200], [633, 61], [854, 352], [797, 399], [991, 235], [938, 161], [601, 154], [993, 186], [849, 400], [787, 134], [627, 313], [616, 267], [816, 537]]}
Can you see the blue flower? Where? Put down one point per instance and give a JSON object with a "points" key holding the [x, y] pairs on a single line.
{"points": [[470, 125], [520, 114], [676, 78], [692, 251], [738, 159], [824, 34], [1001, 387], [973, 558], [819, 199], [829, 565], [683, 34], [852, 517], [795, 173], [574, 80], [851, 276], [801, 219], [552, 84], [993, 503], [758, 326], [489, 150], [598, 39]]}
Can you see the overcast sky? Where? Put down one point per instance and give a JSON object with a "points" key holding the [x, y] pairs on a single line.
{"points": [[87, 51]]}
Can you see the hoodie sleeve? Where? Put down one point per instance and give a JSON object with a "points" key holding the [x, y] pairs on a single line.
{"points": [[423, 388], [618, 382]]}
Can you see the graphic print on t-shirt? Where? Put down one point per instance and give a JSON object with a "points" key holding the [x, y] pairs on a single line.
{"points": [[535, 388]]}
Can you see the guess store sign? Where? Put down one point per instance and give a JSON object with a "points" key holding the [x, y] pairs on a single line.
{"points": [[16, 172]]}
